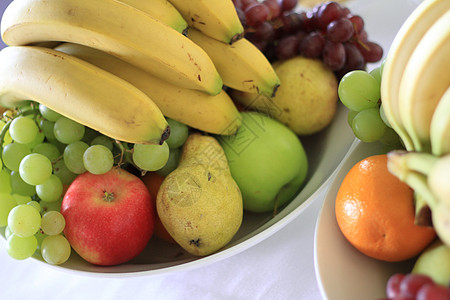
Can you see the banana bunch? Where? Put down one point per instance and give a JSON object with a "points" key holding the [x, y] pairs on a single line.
{"points": [[415, 93], [122, 66], [416, 79], [429, 176]]}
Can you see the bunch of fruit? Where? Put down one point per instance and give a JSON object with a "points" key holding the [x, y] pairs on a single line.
{"points": [[409, 104], [329, 32], [95, 102]]}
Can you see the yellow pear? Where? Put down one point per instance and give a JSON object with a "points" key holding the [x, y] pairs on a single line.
{"points": [[306, 100], [199, 203]]}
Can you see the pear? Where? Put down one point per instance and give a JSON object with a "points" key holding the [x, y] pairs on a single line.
{"points": [[306, 100], [199, 203], [434, 262]]}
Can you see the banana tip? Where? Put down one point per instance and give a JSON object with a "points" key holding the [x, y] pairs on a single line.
{"points": [[165, 135]]}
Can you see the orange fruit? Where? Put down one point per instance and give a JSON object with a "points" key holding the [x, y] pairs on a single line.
{"points": [[375, 212], [153, 181]]}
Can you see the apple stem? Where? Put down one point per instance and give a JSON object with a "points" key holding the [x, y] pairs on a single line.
{"points": [[108, 197]]}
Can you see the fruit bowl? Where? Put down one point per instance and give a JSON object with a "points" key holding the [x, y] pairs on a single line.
{"points": [[325, 151]]}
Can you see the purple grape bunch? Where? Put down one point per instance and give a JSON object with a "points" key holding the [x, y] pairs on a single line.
{"points": [[329, 31]]}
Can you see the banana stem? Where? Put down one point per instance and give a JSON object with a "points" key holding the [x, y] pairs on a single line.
{"points": [[402, 162]]}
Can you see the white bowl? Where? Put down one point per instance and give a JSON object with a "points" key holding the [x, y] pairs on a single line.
{"points": [[325, 150], [341, 270]]}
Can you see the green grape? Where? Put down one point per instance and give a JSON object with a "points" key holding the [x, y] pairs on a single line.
{"points": [[48, 113], [47, 128], [376, 73], [7, 138], [172, 162], [23, 130], [5, 182], [98, 159], [21, 199], [150, 157], [13, 154], [51, 190], [178, 134], [65, 175], [7, 203], [391, 138], [36, 205], [383, 116], [358, 90], [50, 206], [55, 249], [368, 126], [73, 157], [68, 131], [40, 236], [49, 150], [89, 135], [21, 247], [35, 168], [37, 140], [24, 220], [350, 115], [103, 140], [8, 232], [53, 223], [20, 187]]}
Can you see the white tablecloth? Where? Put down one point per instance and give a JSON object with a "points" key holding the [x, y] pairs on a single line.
{"points": [[280, 267]]}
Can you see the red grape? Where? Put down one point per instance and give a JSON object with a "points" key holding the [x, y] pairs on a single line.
{"points": [[292, 22], [246, 3], [287, 47], [241, 16], [327, 13], [340, 30], [237, 3], [274, 8], [333, 55], [393, 285], [353, 58], [372, 52], [432, 291], [412, 283], [256, 14], [312, 45], [264, 31], [288, 5], [357, 22]]}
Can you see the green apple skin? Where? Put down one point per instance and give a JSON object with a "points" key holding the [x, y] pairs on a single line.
{"points": [[434, 262], [267, 160]]}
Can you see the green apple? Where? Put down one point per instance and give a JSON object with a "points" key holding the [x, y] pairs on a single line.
{"points": [[267, 161], [434, 262]]}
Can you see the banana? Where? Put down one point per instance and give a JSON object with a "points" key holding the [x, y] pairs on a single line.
{"points": [[116, 28], [440, 126], [241, 65], [429, 176], [81, 92], [403, 45], [425, 79], [213, 114], [215, 18], [161, 10]]}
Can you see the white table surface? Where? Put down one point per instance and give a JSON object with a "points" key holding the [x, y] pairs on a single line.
{"points": [[280, 267]]}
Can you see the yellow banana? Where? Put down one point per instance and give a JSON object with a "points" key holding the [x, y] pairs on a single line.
{"points": [[403, 45], [215, 18], [440, 126], [425, 79], [213, 114], [116, 28], [81, 92], [241, 65], [161, 10]]}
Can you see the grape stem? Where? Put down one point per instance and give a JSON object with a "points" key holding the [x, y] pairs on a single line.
{"points": [[126, 156]]}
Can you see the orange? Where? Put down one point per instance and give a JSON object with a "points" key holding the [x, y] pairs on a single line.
{"points": [[153, 181], [375, 212]]}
